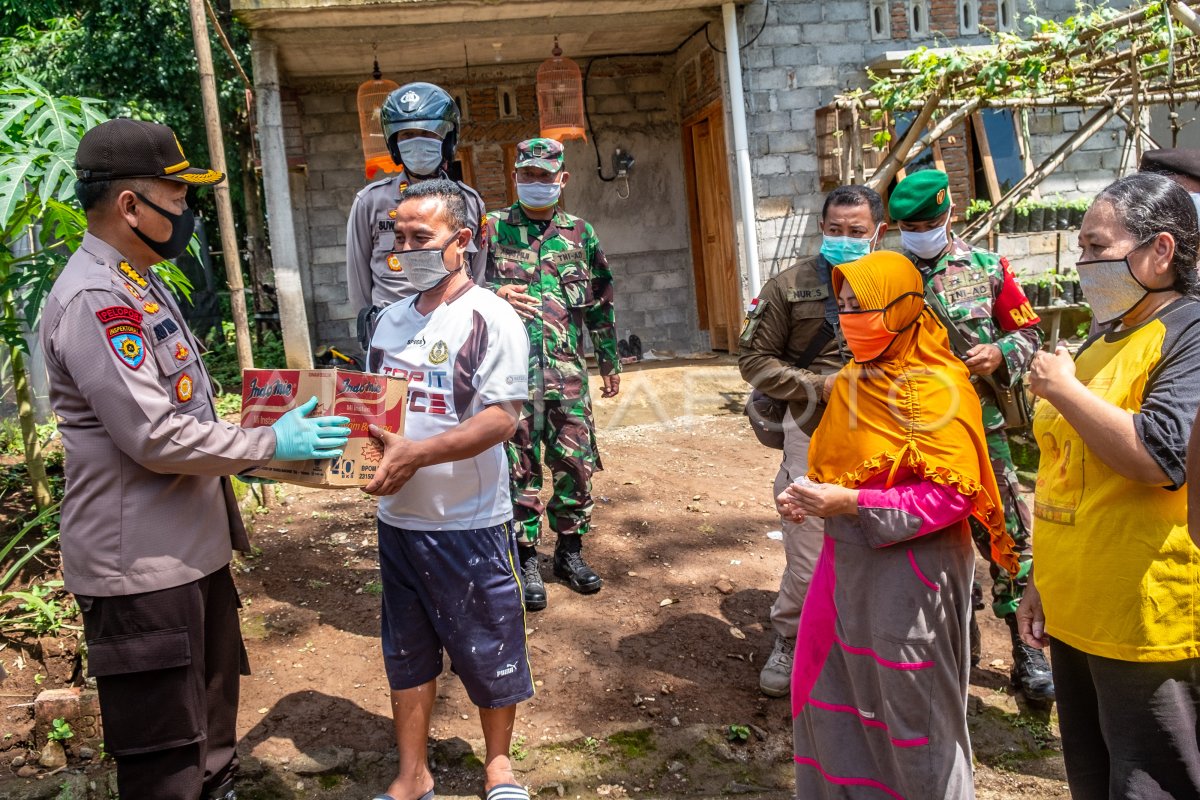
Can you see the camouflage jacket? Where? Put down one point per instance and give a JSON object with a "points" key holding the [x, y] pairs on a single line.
{"points": [[986, 303], [564, 269]]}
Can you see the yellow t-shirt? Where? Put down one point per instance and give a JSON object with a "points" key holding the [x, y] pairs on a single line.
{"points": [[1118, 574]]}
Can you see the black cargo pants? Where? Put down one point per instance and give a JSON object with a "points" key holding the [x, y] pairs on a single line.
{"points": [[167, 666]]}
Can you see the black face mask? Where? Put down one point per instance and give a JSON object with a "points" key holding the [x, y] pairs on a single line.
{"points": [[182, 226]]}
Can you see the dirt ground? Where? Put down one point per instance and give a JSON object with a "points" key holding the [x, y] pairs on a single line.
{"points": [[637, 685]]}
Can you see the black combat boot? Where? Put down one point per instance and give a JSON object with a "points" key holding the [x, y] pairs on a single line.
{"points": [[976, 641], [1031, 672], [570, 566], [975, 637], [531, 578]]}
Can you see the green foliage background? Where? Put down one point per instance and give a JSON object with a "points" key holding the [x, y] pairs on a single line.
{"points": [[138, 57]]}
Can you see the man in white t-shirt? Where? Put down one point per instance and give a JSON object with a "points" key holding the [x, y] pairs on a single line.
{"points": [[447, 550]]}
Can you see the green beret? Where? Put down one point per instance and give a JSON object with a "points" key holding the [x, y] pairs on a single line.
{"points": [[921, 196]]}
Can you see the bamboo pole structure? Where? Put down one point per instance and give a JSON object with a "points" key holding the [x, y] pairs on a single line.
{"points": [[899, 154], [982, 224], [216, 155]]}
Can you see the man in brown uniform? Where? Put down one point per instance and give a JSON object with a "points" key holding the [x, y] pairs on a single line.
{"points": [[789, 350], [148, 520]]}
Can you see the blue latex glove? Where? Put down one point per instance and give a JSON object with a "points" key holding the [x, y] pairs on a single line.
{"points": [[299, 437]]}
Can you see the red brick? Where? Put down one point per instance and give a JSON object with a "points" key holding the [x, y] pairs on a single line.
{"points": [[80, 708]]}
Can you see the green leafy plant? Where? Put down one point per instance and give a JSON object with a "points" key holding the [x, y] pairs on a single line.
{"points": [[977, 208], [738, 733], [60, 730], [517, 749]]}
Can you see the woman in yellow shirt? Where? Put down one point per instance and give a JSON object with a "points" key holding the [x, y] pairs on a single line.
{"points": [[1116, 590]]}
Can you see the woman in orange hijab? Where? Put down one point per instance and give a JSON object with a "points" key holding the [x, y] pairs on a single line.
{"points": [[899, 462]]}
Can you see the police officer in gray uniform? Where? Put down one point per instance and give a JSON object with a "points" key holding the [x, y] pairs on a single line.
{"points": [[149, 519], [420, 124]]}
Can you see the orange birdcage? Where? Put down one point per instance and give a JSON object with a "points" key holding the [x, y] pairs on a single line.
{"points": [[560, 98], [371, 95]]}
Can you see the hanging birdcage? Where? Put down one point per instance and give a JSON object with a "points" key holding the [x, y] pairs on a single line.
{"points": [[560, 98], [371, 95]]}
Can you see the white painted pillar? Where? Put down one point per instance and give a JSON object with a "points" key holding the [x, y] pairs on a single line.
{"points": [[293, 318], [741, 147]]}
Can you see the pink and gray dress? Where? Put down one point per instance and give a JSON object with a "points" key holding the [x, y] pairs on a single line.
{"points": [[879, 687]]}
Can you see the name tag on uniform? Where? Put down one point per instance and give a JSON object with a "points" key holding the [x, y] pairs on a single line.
{"points": [[966, 285], [567, 256], [800, 294], [513, 253]]}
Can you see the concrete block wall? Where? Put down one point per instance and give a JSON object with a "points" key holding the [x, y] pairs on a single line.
{"points": [[633, 104], [809, 52]]}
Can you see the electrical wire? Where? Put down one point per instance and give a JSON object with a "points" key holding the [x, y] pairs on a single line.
{"points": [[762, 26], [587, 117]]}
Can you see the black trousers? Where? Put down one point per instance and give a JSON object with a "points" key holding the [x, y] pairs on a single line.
{"points": [[1129, 729], [167, 666]]}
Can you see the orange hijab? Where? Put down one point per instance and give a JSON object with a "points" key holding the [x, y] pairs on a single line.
{"points": [[913, 406]]}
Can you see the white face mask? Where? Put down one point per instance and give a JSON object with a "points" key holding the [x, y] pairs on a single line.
{"points": [[426, 268], [539, 196], [421, 156], [925, 245]]}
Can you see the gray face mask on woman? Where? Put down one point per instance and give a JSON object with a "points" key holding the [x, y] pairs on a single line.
{"points": [[1111, 288], [426, 267]]}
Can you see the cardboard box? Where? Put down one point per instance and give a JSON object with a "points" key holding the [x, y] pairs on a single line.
{"points": [[366, 399]]}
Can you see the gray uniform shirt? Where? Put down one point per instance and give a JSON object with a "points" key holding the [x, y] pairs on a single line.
{"points": [[370, 279], [147, 505]]}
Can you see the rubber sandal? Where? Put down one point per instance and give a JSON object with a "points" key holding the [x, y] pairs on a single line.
{"points": [[507, 791], [427, 796]]}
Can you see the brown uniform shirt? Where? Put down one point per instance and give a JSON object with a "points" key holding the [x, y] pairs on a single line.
{"points": [[147, 505], [783, 320]]}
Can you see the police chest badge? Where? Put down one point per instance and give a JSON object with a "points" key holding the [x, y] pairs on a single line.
{"points": [[181, 352], [393, 262], [150, 307], [183, 388], [439, 353]]}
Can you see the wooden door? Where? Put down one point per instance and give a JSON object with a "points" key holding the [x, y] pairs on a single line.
{"points": [[714, 259]]}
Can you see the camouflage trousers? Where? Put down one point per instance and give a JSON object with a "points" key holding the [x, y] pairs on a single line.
{"points": [[1006, 590], [562, 433]]}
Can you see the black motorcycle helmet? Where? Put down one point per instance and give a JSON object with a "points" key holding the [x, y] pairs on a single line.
{"points": [[422, 106]]}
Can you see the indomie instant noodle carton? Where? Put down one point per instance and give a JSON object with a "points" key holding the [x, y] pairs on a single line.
{"points": [[365, 399]]}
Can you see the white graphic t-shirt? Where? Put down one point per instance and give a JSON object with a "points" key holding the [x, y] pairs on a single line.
{"points": [[464, 356]]}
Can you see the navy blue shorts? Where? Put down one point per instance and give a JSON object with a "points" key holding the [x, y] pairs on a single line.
{"points": [[456, 591]]}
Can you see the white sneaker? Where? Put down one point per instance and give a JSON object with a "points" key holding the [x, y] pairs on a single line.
{"points": [[775, 680]]}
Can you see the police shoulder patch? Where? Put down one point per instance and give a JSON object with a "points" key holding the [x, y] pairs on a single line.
{"points": [[127, 342], [115, 313]]}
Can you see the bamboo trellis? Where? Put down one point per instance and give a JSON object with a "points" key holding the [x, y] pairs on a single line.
{"points": [[1148, 55]]}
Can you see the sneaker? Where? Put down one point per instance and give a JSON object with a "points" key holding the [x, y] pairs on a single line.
{"points": [[775, 680], [570, 566], [533, 589]]}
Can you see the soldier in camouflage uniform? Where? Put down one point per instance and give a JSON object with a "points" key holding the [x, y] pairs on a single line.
{"points": [[979, 294], [549, 266]]}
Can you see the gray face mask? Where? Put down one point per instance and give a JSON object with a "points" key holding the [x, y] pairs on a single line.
{"points": [[421, 156], [1110, 287], [426, 268]]}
